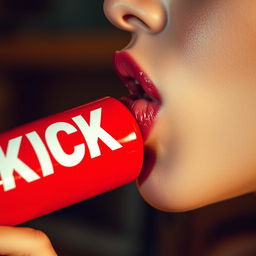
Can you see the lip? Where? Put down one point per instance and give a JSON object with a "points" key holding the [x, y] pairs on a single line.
{"points": [[144, 100]]}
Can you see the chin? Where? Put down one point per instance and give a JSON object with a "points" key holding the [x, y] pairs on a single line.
{"points": [[168, 193], [184, 180], [173, 199], [164, 200]]}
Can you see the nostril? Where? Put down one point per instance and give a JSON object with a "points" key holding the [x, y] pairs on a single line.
{"points": [[130, 19], [127, 17], [135, 15]]}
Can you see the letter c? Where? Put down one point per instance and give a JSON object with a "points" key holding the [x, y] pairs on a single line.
{"points": [[57, 151]]}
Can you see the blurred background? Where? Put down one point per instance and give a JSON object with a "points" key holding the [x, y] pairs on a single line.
{"points": [[57, 54]]}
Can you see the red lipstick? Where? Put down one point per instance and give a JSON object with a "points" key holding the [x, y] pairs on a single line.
{"points": [[144, 100]]}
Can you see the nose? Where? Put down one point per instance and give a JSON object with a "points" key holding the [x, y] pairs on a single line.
{"points": [[136, 15]]}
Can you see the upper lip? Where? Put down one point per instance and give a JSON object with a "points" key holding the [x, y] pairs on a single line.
{"points": [[133, 76]]}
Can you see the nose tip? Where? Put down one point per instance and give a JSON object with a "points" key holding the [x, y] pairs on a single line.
{"points": [[136, 15]]}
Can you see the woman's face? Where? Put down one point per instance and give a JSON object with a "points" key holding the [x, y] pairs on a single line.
{"points": [[201, 56]]}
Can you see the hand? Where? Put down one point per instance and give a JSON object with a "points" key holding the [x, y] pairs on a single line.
{"points": [[19, 241]]}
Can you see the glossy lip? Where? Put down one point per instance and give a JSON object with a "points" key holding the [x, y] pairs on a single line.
{"points": [[128, 70], [144, 101]]}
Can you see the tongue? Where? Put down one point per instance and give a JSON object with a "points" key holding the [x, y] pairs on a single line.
{"points": [[144, 111]]}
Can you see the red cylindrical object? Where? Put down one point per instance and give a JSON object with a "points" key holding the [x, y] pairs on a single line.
{"points": [[66, 158]]}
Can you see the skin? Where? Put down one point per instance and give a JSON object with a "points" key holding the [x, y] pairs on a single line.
{"points": [[201, 55], [24, 242]]}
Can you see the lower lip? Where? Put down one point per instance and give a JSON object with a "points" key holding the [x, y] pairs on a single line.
{"points": [[144, 111]]}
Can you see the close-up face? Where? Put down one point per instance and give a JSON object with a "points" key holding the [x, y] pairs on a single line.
{"points": [[200, 57]]}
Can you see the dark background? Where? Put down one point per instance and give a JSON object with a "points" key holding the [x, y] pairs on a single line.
{"points": [[56, 54]]}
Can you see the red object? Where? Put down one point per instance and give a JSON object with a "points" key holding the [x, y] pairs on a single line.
{"points": [[66, 158]]}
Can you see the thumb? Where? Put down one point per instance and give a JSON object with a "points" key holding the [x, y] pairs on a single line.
{"points": [[19, 241]]}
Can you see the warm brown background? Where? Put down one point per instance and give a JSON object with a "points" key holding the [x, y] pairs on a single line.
{"points": [[57, 54]]}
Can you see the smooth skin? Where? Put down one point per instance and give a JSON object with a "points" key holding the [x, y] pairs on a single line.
{"points": [[17, 241], [201, 55]]}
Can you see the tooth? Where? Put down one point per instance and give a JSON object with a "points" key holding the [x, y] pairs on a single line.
{"points": [[136, 82]]}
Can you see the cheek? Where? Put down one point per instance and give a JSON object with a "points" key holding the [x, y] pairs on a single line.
{"points": [[204, 139], [205, 147], [218, 38]]}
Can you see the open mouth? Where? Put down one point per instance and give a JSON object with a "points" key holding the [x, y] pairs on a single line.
{"points": [[144, 100]]}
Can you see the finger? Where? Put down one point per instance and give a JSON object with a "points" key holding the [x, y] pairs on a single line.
{"points": [[18, 241]]}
